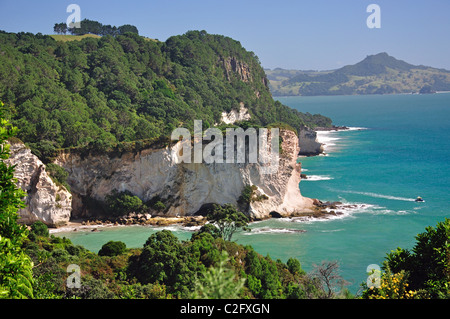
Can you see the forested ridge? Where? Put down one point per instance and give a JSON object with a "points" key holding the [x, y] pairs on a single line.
{"points": [[100, 92], [94, 27], [111, 90]]}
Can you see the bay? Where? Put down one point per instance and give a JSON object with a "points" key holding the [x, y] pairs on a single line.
{"points": [[401, 151]]}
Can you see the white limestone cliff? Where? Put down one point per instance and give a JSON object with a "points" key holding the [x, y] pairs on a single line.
{"points": [[185, 188], [309, 145], [236, 116], [45, 200]]}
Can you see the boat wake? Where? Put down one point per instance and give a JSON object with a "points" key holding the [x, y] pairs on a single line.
{"points": [[315, 178], [381, 196], [269, 230]]}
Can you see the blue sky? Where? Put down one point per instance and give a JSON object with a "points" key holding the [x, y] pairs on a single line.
{"points": [[292, 34]]}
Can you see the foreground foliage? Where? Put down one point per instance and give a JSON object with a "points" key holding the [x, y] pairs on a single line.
{"points": [[422, 272], [205, 266], [15, 266]]}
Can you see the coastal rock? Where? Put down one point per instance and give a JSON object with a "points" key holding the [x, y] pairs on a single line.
{"points": [[309, 146], [46, 201], [275, 215], [184, 188], [329, 205], [236, 116], [331, 128], [281, 188]]}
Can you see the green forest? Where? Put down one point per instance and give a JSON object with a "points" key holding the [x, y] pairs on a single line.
{"points": [[34, 264], [94, 27], [106, 91]]}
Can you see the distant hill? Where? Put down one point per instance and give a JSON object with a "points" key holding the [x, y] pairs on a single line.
{"points": [[376, 74]]}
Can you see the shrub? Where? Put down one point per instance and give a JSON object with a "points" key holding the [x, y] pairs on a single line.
{"points": [[246, 195], [58, 175], [159, 206], [123, 203], [39, 229], [228, 220], [425, 269], [392, 286], [112, 248], [218, 282], [164, 260], [294, 266], [210, 229], [75, 250]]}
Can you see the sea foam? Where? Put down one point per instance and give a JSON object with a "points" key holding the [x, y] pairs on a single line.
{"points": [[314, 178]]}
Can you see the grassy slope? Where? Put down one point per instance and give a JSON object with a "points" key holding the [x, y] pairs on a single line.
{"points": [[68, 37]]}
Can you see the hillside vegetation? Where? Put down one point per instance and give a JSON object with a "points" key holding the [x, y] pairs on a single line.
{"points": [[101, 91], [376, 74], [69, 37]]}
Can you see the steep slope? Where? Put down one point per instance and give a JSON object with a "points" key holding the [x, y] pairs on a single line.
{"points": [[184, 188], [103, 108], [154, 174], [46, 200], [109, 90]]}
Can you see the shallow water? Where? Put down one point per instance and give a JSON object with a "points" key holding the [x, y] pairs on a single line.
{"points": [[398, 150]]}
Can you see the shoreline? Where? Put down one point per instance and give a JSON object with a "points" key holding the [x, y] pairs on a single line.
{"points": [[322, 211], [157, 221], [324, 136], [372, 94]]}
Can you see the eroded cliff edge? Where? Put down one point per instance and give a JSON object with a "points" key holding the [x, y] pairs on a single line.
{"points": [[46, 200], [185, 188], [153, 173], [309, 145]]}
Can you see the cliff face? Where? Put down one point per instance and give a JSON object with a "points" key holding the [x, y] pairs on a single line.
{"points": [[185, 188], [309, 146], [45, 200], [232, 64], [150, 173], [282, 187]]}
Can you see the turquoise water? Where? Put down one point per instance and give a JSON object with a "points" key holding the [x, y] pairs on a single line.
{"points": [[402, 153]]}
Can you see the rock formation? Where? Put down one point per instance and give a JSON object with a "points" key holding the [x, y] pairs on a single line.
{"points": [[236, 116], [154, 173], [46, 201], [232, 64], [185, 188], [309, 146]]}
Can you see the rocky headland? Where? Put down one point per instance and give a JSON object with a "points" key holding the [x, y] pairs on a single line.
{"points": [[153, 172]]}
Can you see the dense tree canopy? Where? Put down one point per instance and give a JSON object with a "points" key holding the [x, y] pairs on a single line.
{"points": [[94, 27], [109, 90], [419, 273]]}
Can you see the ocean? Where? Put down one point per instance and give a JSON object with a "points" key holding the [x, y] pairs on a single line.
{"points": [[398, 148]]}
